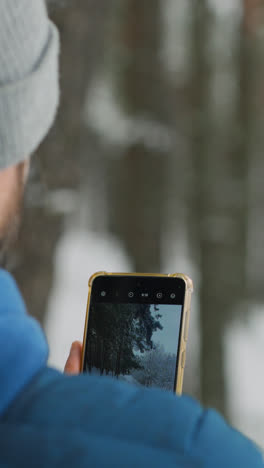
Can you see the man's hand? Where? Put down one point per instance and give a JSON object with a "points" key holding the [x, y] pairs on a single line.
{"points": [[73, 364]]}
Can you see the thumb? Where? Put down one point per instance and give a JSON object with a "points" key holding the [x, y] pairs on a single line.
{"points": [[73, 364]]}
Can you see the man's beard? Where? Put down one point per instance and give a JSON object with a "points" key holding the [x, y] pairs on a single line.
{"points": [[9, 238], [9, 233]]}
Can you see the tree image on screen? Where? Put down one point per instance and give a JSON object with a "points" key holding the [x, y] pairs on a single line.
{"points": [[120, 344], [115, 333]]}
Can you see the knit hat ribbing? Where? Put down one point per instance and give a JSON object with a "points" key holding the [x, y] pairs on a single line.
{"points": [[29, 91]]}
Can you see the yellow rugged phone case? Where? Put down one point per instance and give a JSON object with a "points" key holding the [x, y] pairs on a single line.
{"points": [[185, 318]]}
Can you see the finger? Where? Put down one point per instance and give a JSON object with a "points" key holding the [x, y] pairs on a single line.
{"points": [[73, 364]]}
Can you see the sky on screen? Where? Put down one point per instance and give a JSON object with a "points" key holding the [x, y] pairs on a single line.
{"points": [[171, 320]]}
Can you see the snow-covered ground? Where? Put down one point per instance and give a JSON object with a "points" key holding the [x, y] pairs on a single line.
{"points": [[245, 370]]}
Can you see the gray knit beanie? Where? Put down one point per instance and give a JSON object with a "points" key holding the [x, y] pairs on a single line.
{"points": [[29, 47]]}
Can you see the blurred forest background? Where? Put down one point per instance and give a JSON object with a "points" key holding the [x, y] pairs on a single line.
{"points": [[155, 164]]}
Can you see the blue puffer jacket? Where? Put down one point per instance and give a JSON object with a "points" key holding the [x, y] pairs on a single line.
{"points": [[51, 420]]}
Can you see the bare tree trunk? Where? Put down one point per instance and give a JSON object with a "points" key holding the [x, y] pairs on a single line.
{"points": [[221, 154], [253, 24], [137, 179]]}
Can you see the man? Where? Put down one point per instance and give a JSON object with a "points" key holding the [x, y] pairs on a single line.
{"points": [[48, 419]]}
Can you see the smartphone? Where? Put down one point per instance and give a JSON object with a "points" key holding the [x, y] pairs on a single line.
{"points": [[136, 328]]}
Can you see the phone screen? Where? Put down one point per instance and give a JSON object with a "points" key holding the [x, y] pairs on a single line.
{"points": [[134, 328]]}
